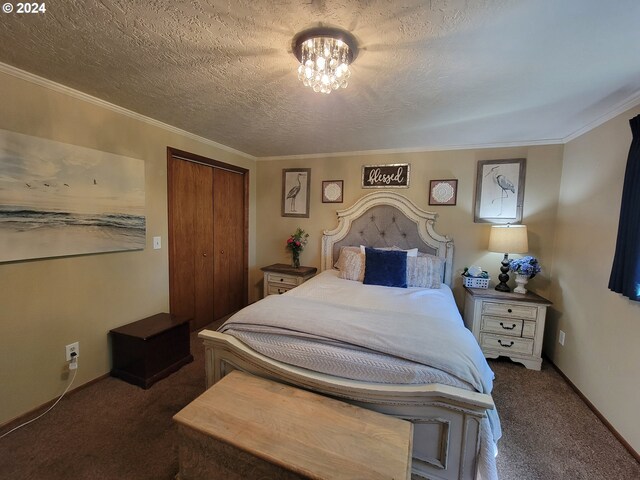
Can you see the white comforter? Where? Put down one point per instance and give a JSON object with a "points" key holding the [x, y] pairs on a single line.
{"points": [[327, 286], [423, 333]]}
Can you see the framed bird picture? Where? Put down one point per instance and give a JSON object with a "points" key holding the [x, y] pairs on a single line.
{"points": [[500, 191], [296, 183]]}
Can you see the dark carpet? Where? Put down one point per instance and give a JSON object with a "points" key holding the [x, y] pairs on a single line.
{"points": [[114, 430], [550, 433]]}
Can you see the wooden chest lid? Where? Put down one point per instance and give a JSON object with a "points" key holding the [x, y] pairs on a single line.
{"points": [[301, 431]]}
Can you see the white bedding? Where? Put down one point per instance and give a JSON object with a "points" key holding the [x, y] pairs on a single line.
{"points": [[350, 361], [328, 287]]}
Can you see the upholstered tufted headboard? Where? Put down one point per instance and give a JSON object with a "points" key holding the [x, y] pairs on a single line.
{"points": [[385, 219]]}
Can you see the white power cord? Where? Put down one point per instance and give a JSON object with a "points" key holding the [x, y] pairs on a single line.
{"points": [[73, 365]]}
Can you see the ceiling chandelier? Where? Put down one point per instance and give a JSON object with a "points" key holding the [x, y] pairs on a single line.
{"points": [[324, 55]]}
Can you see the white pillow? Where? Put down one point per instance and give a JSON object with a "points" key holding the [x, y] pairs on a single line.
{"points": [[341, 258], [352, 265], [425, 271]]}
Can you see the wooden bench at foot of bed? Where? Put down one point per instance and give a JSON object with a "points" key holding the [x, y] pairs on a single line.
{"points": [[249, 427]]}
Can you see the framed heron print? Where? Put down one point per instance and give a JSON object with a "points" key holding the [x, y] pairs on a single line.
{"points": [[295, 192], [500, 191]]}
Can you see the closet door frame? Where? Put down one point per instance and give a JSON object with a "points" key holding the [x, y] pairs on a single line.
{"points": [[174, 154]]}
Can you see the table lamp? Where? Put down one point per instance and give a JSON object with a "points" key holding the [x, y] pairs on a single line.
{"points": [[507, 239]]}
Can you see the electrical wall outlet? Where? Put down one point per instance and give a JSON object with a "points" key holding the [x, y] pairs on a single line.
{"points": [[72, 348], [561, 338]]}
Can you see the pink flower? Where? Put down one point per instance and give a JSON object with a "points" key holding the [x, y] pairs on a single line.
{"points": [[297, 243], [290, 240]]}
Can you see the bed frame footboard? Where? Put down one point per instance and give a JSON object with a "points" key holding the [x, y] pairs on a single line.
{"points": [[446, 419]]}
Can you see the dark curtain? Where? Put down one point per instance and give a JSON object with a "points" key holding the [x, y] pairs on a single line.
{"points": [[625, 273]]}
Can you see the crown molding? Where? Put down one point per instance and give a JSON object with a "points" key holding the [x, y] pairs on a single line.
{"points": [[58, 87], [627, 104], [630, 102], [440, 148]]}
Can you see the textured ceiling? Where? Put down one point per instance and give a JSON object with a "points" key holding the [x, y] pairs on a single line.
{"points": [[430, 74]]}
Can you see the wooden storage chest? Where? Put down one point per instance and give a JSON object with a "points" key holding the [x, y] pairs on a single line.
{"points": [[150, 349], [248, 427]]}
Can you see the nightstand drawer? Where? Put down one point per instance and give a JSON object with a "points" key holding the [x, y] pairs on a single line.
{"points": [[502, 326], [509, 310], [529, 329], [282, 278], [278, 289], [506, 344]]}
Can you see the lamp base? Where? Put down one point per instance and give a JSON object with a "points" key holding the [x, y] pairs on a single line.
{"points": [[503, 277]]}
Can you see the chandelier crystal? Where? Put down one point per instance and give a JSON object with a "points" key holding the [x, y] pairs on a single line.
{"points": [[324, 55]]}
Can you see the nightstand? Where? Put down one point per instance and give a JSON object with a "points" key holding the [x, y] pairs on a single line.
{"points": [[279, 277], [507, 324]]}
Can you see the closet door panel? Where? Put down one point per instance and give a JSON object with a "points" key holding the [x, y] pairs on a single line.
{"points": [[238, 262], [204, 253], [182, 207], [228, 199]]}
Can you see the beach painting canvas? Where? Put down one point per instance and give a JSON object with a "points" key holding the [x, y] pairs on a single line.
{"points": [[58, 199]]}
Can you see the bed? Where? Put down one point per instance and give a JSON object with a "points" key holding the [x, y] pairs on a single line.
{"points": [[400, 351]]}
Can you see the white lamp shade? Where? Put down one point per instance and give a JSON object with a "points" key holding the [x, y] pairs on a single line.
{"points": [[508, 239]]}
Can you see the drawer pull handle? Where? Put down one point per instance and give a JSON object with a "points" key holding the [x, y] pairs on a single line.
{"points": [[504, 344], [508, 328], [282, 279], [509, 310]]}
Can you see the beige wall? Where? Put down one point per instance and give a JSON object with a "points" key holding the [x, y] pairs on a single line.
{"points": [[601, 354], [544, 164], [46, 304]]}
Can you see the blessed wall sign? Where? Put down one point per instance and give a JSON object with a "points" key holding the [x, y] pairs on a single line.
{"points": [[386, 176]]}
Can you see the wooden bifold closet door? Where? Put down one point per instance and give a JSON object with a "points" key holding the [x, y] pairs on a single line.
{"points": [[207, 237]]}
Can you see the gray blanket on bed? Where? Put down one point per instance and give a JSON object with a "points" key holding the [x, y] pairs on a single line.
{"points": [[438, 342]]}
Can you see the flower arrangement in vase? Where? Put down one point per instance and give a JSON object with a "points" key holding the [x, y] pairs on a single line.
{"points": [[524, 268], [296, 243]]}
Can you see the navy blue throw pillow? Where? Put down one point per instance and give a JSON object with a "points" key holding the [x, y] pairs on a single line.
{"points": [[385, 267]]}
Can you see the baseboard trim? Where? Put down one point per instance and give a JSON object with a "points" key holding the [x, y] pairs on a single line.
{"points": [[597, 413], [25, 417]]}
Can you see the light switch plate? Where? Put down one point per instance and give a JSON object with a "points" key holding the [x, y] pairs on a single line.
{"points": [[157, 243]]}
